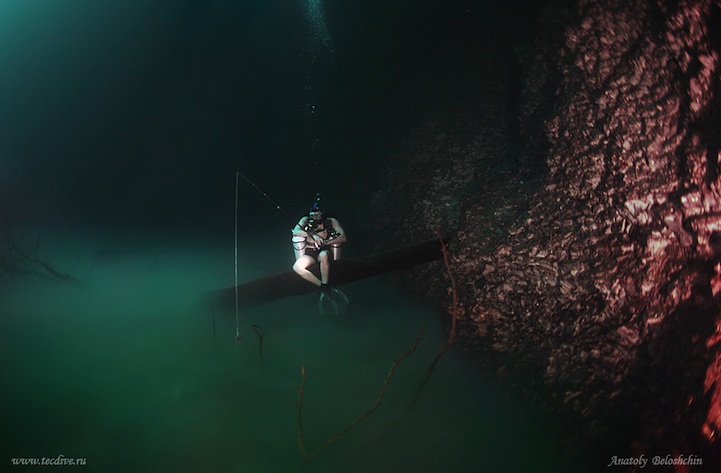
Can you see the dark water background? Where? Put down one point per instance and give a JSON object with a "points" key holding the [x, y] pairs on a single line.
{"points": [[122, 125], [140, 112]]}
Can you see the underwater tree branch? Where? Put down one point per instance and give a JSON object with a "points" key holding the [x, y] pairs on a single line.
{"points": [[14, 255], [301, 391], [260, 333], [451, 336], [363, 416], [454, 294]]}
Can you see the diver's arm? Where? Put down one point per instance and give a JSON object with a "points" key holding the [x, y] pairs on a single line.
{"points": [[340, 238], [298, 229]]}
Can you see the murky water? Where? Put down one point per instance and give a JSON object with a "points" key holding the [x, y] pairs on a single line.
{"points": [[131, 371]]}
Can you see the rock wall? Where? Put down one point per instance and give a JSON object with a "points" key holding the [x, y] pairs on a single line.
{"points": [[622, 247], [603, 283]]}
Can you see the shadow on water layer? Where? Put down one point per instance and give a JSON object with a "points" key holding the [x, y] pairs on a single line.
{"points": [[125, 372]]}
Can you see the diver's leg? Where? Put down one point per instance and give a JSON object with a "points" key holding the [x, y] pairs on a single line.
{"points": [[324, 260], [301, 267]]}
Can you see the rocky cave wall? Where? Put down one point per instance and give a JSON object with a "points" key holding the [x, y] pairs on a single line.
{"points": [[601, 278]]}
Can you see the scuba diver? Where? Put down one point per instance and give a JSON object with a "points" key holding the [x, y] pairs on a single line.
{"points": [[318, 238]]}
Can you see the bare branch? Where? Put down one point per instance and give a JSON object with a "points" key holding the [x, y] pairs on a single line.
{"points": [[362, 417], [14, 255]]}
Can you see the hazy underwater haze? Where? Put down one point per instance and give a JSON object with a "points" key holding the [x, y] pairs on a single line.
{"points": [[122, 125], [141, 112]]}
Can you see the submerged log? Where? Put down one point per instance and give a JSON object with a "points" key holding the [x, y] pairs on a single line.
{"points": [[288, 283]]}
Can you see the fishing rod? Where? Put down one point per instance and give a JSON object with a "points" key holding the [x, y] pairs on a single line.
{"points": [[256, 328]]}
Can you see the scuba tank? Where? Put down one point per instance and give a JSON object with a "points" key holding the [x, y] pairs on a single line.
{"points": [[299, 245]]}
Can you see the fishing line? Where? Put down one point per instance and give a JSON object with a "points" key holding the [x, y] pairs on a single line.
{"points": [[237, 317], [277, 206]]}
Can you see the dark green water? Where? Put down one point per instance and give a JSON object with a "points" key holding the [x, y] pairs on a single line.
{"points": [[140, 113], [124, 372]]}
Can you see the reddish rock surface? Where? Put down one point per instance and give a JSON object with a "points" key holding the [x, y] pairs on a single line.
{"points": [[598, 283]]}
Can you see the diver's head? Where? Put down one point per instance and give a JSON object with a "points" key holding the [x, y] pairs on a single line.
{"points": [[316, 210]]}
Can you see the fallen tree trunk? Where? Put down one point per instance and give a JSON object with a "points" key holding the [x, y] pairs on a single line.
{"points": [[288, 283]]}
